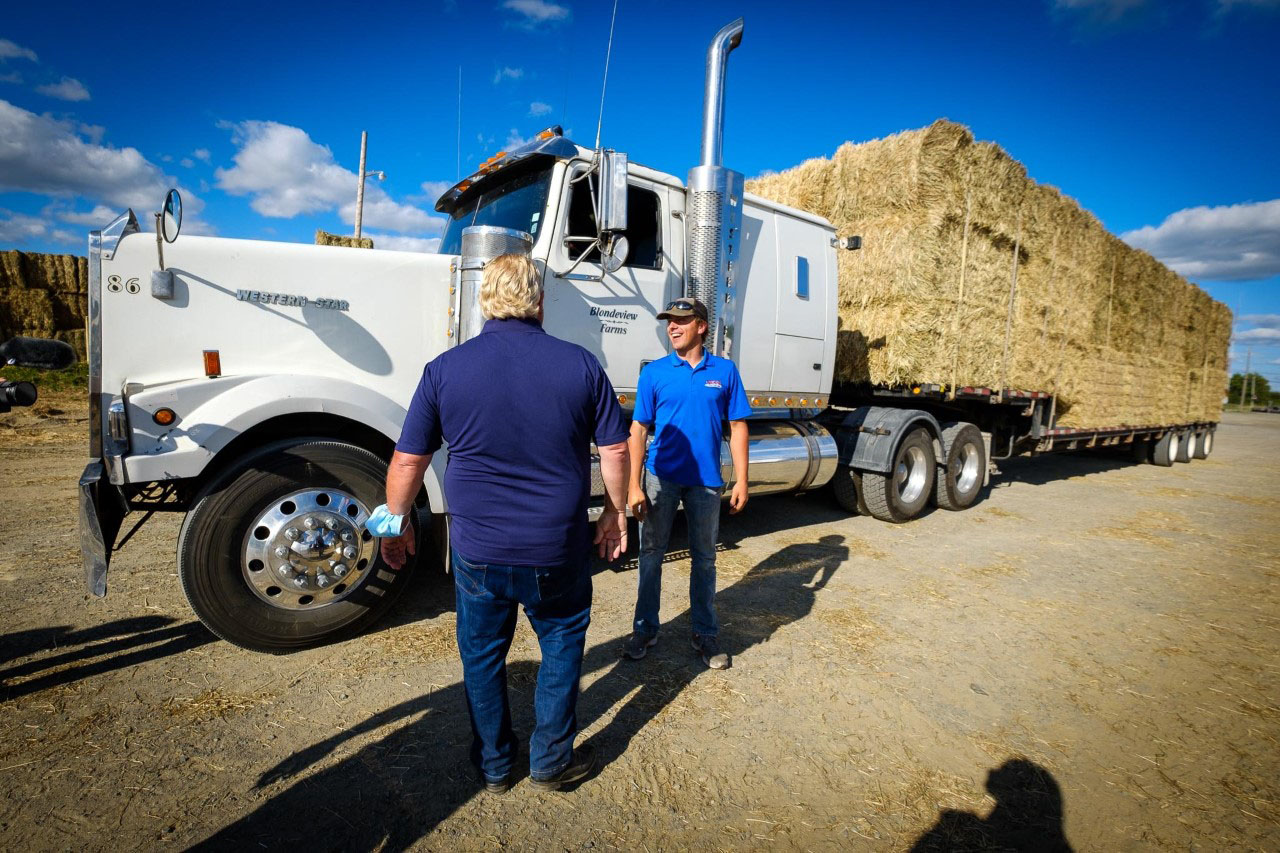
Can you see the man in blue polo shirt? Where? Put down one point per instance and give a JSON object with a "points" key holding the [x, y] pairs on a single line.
{"points": [[518, 409], [684, 399]]}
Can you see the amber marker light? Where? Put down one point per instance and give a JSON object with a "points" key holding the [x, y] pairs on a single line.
{"points": [[755, 401], [622, 399], [818, 402], [773, 401], [164, 417], [212, 364]]}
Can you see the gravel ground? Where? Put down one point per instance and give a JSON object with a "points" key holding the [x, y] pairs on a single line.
{"points": [[1088, 658]]}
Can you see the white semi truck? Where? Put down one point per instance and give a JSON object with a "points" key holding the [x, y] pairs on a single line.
{"points": [[259, 387]]}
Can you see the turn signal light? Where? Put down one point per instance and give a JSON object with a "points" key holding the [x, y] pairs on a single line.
{"points": [[212, 364], [164, 417]]}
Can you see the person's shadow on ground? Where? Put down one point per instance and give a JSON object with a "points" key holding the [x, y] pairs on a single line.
{"points": [[388, 794], [1027, 816]]}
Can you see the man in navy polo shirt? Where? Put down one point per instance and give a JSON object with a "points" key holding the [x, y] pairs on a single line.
{"points": [[518, 409], [684, 399]]}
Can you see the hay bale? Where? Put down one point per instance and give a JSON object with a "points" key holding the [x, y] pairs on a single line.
{"points": [[44, 296], [971, 273], [324, 238]]}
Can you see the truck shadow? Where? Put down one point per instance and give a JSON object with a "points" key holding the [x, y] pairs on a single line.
{"points": [[1051, 468], [1027, 816], [389, 794], [126, 642]]}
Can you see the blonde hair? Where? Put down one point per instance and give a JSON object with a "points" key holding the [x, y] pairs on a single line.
{"points": [[510, 287]]}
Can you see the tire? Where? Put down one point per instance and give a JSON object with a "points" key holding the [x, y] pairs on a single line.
{"points": [[1165, 450], [846, 485], [901, 494], [1203, 444], [962, 470], [231, 539], [1186, 447]]}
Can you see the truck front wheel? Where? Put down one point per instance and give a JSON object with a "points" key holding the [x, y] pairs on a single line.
{"points": [[846, 485], [273, 555], [899, 495], [963, 468]]}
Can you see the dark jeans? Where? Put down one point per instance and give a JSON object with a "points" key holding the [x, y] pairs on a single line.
{"points": [[702, 512], [557, 601]]}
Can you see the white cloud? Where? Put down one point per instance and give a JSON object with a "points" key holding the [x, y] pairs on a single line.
{"points": [[1269, 320], [535, 12], [432, 190], [15, 77], [67, 89], [404, 244], [95, 132], [514, 140], [286, 174], [1258, 336], [9, 50], [186, 162], [201, 154], [49, 157], [1239, 242], [17, 228], [507, 73], [537, 108], [95, 218]]}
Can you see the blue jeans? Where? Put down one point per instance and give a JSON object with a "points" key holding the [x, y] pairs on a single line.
{"points": [[702, 511], [557, 601]]}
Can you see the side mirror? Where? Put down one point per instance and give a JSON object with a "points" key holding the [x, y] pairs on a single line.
{"points": [[611, 215], [615, 253], [171, 219]]}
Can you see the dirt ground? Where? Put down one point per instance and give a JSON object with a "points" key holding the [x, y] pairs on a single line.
{"points": [[1088, 657]]}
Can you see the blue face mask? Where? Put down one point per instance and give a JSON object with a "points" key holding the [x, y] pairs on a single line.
{"points": [[383, 524]]}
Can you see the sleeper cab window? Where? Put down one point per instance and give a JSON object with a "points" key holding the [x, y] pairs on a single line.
{"points": [[644, 226], [802, 277]]}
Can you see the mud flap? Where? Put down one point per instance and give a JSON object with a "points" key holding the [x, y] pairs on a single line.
{"points": [[102, 508]]}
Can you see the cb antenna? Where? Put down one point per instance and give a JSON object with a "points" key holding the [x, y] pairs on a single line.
{"points": [[459, 166], [604, 83]]}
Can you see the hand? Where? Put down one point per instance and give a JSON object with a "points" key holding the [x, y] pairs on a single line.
{"points": [[638, 502], [395, 548], [738, 497], [611, 534]]}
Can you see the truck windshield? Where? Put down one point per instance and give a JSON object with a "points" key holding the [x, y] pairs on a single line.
{"points": [[520, 202]]}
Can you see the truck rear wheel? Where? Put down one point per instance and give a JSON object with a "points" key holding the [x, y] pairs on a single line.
{"points": [[846, 485], [1203, 444], [273, 555], [900, 495], [1165, 450], [963, 468], [1186, 447]]}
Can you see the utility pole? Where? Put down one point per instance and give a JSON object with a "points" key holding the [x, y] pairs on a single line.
{"points": [[364, 147], [1244, 380]]}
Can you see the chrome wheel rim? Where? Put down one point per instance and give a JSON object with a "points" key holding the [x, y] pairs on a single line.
{"points": [[1208, 443], [964, 468], [909, 476], [308, 549], [1173, 446]]}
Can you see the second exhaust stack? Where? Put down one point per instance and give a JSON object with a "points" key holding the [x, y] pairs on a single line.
{"points": [[713, 206]]}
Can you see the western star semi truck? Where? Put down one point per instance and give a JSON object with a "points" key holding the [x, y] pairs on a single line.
{"points": [[259, 387]]}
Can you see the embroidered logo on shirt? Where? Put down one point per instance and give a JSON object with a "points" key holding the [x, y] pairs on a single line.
{"points": [[713, 383]]}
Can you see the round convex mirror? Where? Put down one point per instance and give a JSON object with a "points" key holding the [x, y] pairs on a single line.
{"points": [[615, 254], [171, 220]]}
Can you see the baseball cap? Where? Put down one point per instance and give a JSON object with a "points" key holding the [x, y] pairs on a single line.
{"points": [[684, 307]]}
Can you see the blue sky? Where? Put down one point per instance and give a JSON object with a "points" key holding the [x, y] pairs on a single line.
{"points": [[1162, 118]]}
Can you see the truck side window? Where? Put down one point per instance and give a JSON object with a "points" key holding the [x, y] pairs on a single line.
{"points": [[644, 221]]}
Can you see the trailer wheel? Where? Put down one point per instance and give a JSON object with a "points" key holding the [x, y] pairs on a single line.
{"points": [[900, 495], [1204, 444], [273, 555], [962, 470], [1165, 451], [1186, 447], [846, 485]]}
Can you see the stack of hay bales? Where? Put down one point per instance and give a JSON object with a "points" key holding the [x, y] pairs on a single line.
{"points": [[972, 274], [324, 238], [44, 296]]}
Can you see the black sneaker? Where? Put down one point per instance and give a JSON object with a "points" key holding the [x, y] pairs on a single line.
{"points": [[581, 763], [638, 645], [710, 651], [499, 787]]}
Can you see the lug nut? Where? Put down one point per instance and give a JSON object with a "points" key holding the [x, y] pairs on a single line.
{"points": [[322, 580], [331, 523], [285, 571], [309, 522], [339, 570], [349, 552], [292, 534], [282, 551], [346, 536], [300, 581]]}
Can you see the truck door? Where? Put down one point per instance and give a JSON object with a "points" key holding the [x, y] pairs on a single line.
{"points": [[803, 279], [612, 314]]}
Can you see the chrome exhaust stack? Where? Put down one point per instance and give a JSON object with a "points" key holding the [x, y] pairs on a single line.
{"points": [[480, 244], [713, 206]]}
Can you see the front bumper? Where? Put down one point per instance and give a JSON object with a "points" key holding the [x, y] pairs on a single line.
{"points": [[102, 509]]}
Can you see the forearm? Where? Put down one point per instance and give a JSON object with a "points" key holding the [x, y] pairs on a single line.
{"points": [[614, 464], [404, 479], [637, 445], [738, 449]]}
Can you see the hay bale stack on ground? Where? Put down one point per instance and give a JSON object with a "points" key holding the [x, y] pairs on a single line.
{"points": [[44, 296], [324, 238], [971, 273]]}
